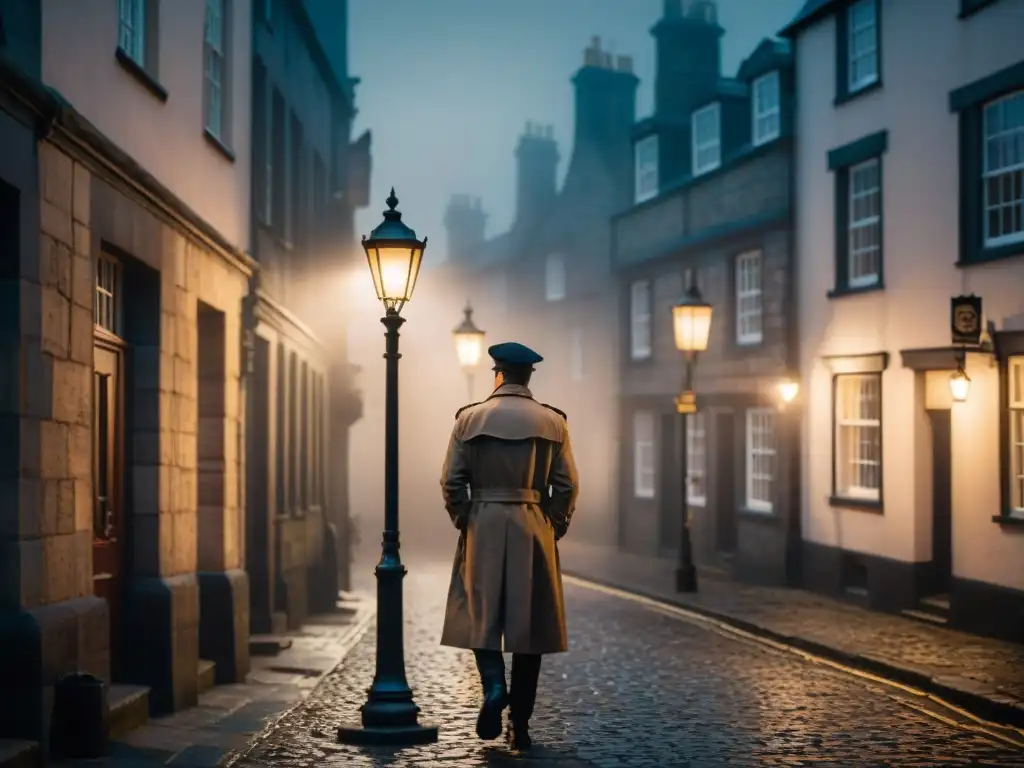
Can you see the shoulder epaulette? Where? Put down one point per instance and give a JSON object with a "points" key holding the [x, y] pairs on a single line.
{"points": [[552, 408], [459, 412]]}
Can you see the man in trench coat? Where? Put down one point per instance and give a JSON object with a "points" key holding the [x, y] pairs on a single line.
{"points": [[510, 486]]}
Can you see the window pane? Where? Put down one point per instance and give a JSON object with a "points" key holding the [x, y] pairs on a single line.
{"points": [[1003, 155], [858, 448]]}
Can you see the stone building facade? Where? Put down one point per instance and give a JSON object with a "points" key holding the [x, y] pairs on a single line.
{"points": [[125, 351], [908, 190], [547, 281], [308, 180], [712, 192]]}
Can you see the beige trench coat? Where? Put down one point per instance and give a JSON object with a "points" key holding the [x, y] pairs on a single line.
{"points": [[510, 485]]}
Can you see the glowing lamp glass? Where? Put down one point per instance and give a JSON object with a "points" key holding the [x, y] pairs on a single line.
{"points": [[959, 386], [691, 325], [788, 390], [394, 268], [469, 341]]}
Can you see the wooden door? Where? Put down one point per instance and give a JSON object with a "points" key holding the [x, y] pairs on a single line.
{"points": [[108, 483], [942, 507]]}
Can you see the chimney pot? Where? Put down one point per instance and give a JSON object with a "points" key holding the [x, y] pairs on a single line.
{"points": [[625, 64]]}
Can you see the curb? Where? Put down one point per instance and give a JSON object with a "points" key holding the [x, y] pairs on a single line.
{"points": [[359, 627], [983, 706]]}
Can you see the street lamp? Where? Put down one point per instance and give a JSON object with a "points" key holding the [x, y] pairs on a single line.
{"points": [[469, 344], [788, 389], [691, 326], [959, 382], [389, 715]]}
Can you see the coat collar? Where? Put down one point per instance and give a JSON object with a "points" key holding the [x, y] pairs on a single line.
{"points": [[512, 390]]}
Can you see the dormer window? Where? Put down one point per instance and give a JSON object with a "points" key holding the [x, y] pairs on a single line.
{"points": [[554, 277], [765, 108], [707, 138], [645, 164]]}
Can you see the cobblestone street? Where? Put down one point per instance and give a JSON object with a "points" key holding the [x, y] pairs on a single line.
{"points": [[639, 687]]}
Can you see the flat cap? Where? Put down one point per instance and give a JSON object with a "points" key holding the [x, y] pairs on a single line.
{"points": [[513, 353]]}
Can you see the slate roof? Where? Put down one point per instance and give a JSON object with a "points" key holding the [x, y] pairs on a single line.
{"points": [[812, 11]]}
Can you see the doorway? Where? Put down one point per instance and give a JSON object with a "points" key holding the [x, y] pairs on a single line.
{"points": [[942, 508], [670, 509], [725, 483], [108, 482], [259, 520]]}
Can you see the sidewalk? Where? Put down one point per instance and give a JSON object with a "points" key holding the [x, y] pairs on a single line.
{"points": [[982, 675], [227, 717]]}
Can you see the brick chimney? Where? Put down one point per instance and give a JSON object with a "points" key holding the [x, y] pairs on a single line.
{"points": [[605, 97], [536, 172], [688, 56], [465, 222]]}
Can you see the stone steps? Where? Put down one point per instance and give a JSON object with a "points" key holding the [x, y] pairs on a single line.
{"points": [[129, 708], [207, 675], [19, 754]]}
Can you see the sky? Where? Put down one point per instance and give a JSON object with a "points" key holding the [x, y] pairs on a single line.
{"points": [[447, 87]]}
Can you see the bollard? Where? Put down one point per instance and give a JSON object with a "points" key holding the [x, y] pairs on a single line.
{"points": [[81, 717]]}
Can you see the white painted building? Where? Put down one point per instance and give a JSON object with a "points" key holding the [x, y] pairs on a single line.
{"points": [[910, 191]]}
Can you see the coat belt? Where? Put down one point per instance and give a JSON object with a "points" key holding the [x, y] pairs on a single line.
{"points": [[511, 495]]}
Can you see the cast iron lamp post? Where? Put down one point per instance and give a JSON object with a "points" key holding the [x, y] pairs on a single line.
{"points": [[389, 715], [469, 344], [691, 325]]}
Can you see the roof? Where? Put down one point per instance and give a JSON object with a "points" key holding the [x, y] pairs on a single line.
{"points": [[812, 12]]}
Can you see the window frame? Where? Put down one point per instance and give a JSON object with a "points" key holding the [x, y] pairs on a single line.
{"points": [[111, 296], [1016, 238], [646, 179], [644, 448], [641, 331], [216, 117], [768, 449], [1014, 438], [754, 260], [697, 145], [756, 116], [856, 495], [134, 28], [852, 224], [555, 287], [843, 162], [846, 88], [696, 437], [968, 102]]}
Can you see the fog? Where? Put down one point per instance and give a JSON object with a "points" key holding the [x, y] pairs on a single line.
{"points": [[446, 88]]}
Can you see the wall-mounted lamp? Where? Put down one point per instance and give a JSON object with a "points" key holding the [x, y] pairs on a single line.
{"points": [[959, 385], [788, 390], [960, 382]]}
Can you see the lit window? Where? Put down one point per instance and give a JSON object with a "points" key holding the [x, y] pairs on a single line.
{"points": [[1015, 400], [696, 460], [766, 110], [707, 140], [1004, 170], [858, 436], [214, 49], [554, 277], [760, 458], [749, 307], [640, 320], [865, 223], [131, 34], [107, 296], [645, 162], [862, 65], [643, 455]]}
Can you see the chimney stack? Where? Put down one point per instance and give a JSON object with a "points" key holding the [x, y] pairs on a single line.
{"points": [[605, 97], [536, 173], [688, 56], [466, 223]]}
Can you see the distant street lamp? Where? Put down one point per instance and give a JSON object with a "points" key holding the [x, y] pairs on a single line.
{"points": [[389, 715], [691, 325], [469, 344], [960, 382]]}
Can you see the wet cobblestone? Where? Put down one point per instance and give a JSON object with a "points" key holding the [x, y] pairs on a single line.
{"points": [[638, 688]]}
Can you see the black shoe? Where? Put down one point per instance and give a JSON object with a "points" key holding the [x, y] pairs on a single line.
{"points": [[492, 676], [518, 737]]}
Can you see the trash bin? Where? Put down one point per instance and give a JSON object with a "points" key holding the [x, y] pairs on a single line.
{"points": [[81, 716]]}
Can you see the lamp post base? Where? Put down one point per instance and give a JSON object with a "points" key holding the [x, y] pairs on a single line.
{"points": [[686, 578], [360, 735]]}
